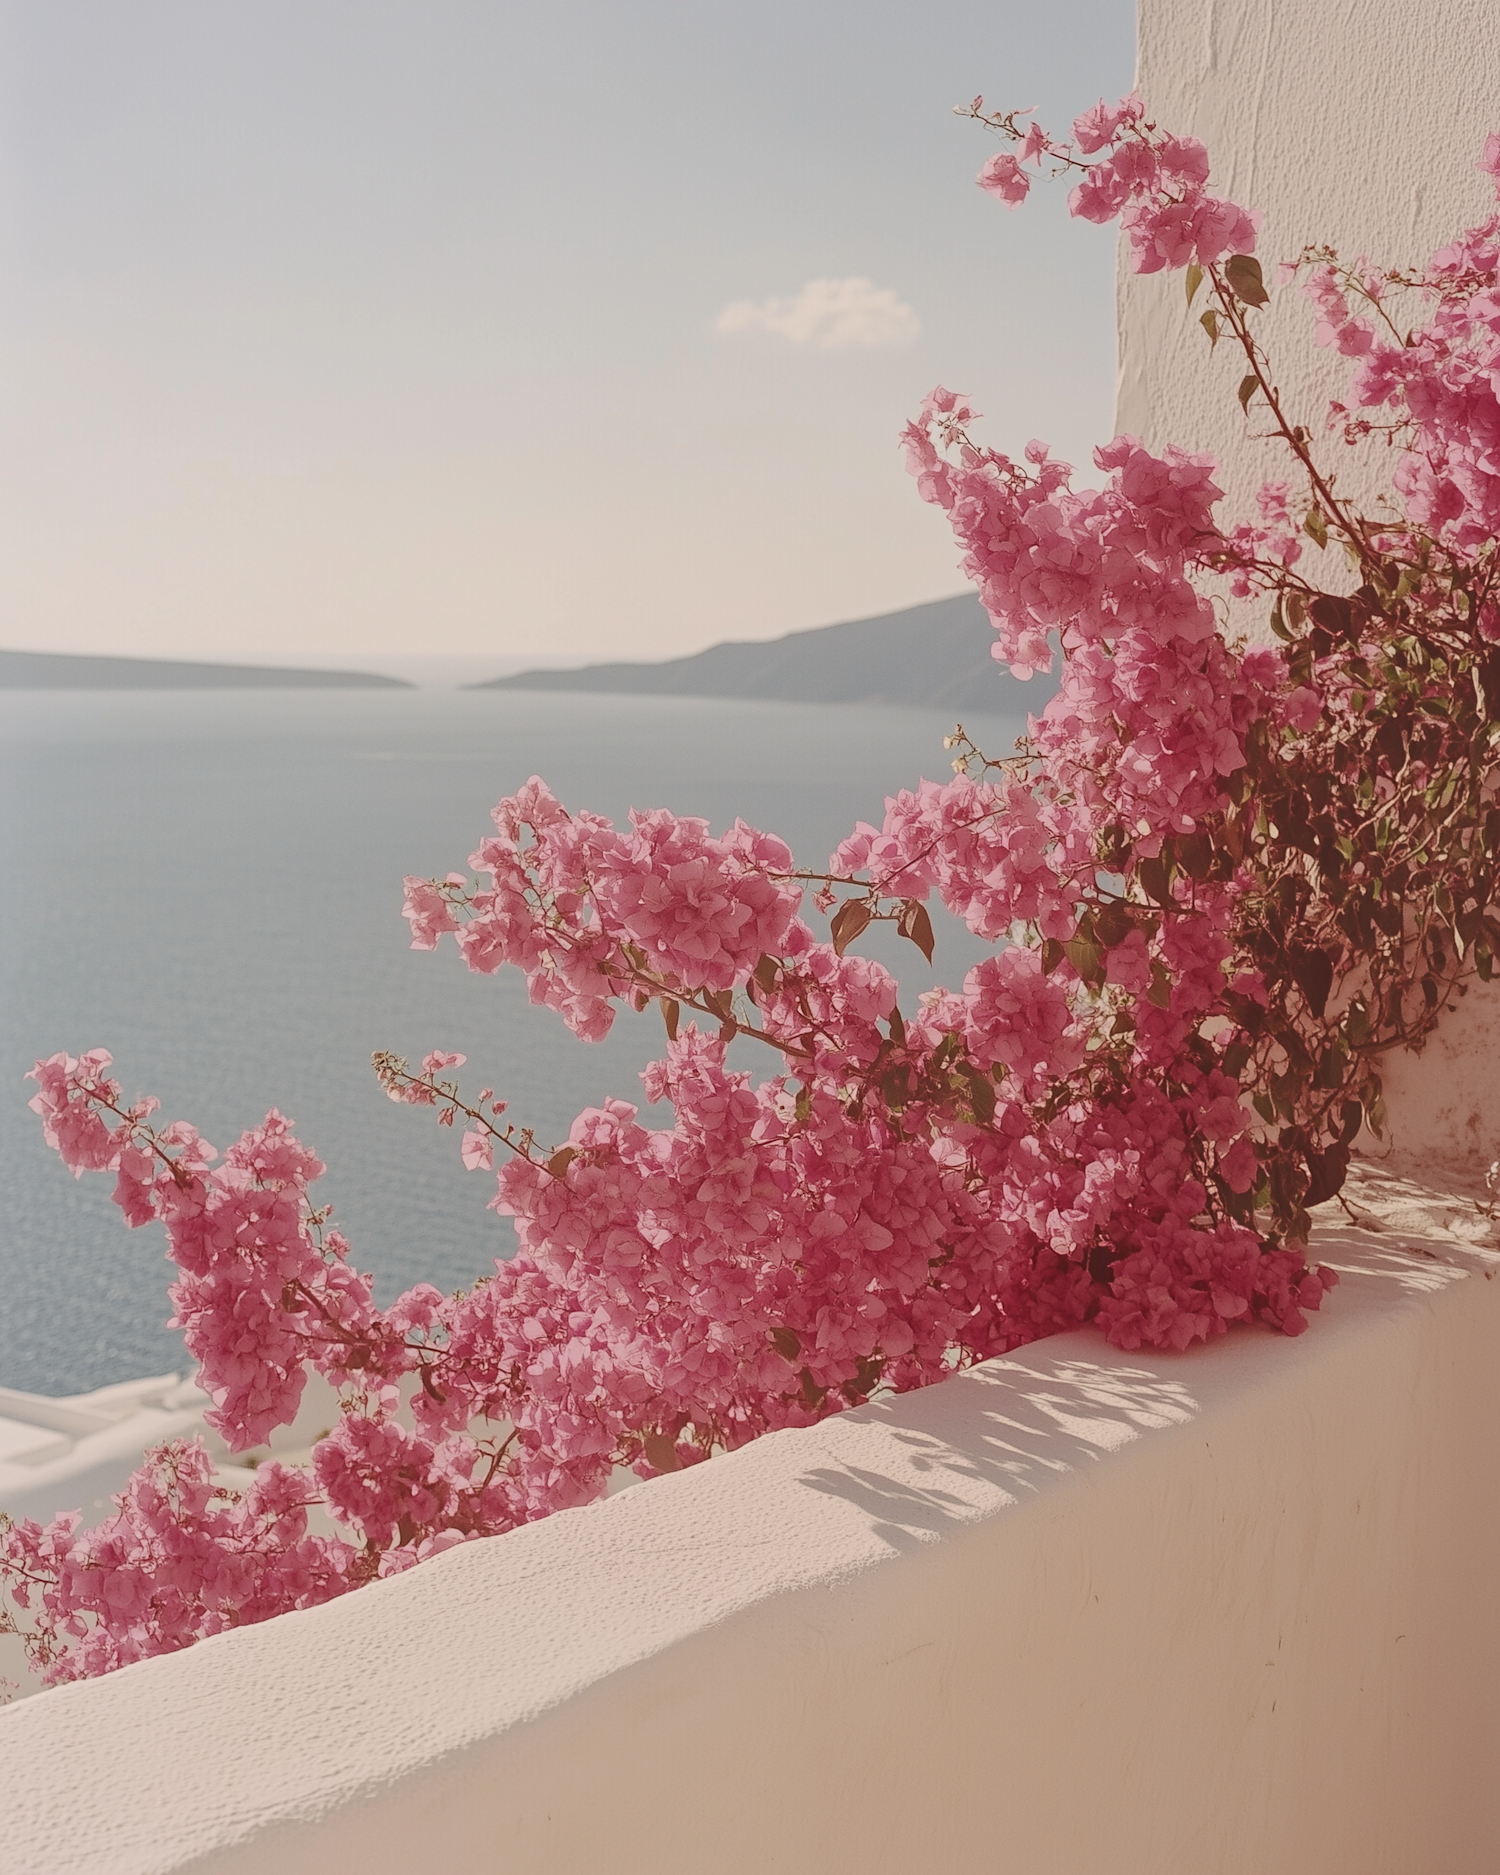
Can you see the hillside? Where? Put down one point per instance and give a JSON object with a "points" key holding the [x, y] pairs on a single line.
{"points": [[933, 656], [57, 670]]}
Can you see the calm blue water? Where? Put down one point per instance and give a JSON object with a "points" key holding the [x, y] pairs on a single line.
{"points": [[209, 885]]}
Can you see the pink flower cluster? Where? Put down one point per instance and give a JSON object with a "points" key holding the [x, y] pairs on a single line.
{"points": [[1276, 536], [1442, 379], [582, 906], [181, 1558], [1154, 184], [1337, 325], [1150, 716], [1057, 1141]]}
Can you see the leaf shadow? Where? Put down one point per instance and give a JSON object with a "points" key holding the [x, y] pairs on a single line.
{"points": [[1036, 1421]]}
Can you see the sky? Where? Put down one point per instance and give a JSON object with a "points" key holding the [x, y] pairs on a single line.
{"points": [[343, 329]]}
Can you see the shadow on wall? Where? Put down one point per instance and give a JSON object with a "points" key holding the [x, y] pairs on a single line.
{"points": [[1059, 1417], [1076, 1413]]}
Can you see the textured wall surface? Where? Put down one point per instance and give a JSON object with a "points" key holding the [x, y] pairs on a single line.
{"points": [[1209, 1614], [1345, 121], [1358, 124]]}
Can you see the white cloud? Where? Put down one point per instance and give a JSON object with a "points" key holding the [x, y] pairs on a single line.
{"points": [[827, 313]]}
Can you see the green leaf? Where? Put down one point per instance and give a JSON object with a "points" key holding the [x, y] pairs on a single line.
{"points": [[786, 1343], [1249, 385], [1330, 1072], [1242, 271], [561, 1160], [1236, 1059], [1193, 281], [670, 1012], [1210, 324], [1315, 527], [1052, 955], [1085, 958], [981, 1093]]}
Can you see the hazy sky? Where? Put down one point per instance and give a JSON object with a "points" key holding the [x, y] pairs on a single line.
{"points": [[343, 328]]}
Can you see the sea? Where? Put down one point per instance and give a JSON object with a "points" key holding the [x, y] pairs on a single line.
{"points": [[208, 884]]}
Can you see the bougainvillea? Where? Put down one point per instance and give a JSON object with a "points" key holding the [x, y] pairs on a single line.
{"points": [[1219, 880]]}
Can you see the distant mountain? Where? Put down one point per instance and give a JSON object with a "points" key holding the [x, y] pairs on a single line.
{"points": [[930, 656], [57, 670]]}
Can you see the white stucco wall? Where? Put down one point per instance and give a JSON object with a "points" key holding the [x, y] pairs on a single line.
{"points": [[1348, 121], [1356, 123], [1224, 1612]]}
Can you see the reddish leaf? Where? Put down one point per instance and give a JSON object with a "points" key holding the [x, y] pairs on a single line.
{"points": [[916, 925], [1156, 877], [811, 1391], [1312, 971], [661, 1452], [1112, 925], [1195, 853], [847, 923], [896, 1088], [1085, 959], [981, 1093], [1243, 273], [1335, 615], [1326, 1172], [786, 1343]]}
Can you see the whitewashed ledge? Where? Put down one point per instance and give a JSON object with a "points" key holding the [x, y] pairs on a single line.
{"points": [[1076, 1611]]}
